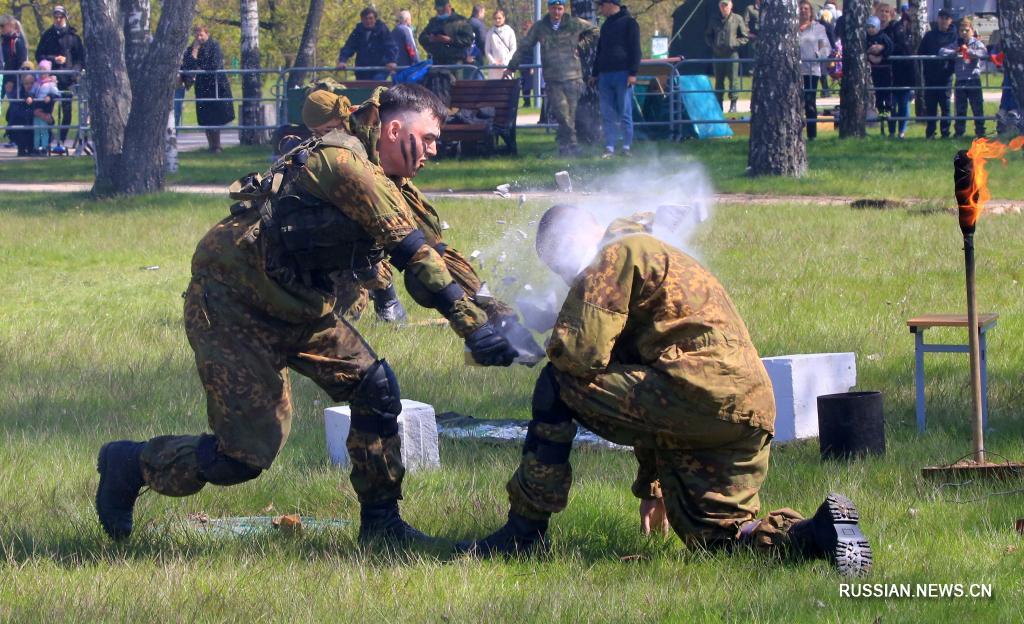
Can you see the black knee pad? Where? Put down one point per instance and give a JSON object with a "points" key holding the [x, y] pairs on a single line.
{"points": [[219, 469], [547, 403], [377, 401]]}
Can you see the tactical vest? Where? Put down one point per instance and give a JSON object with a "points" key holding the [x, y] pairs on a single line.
{"points": [[307, 238]]}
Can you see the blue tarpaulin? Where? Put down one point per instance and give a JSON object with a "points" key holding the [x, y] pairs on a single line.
{"points": [[699, 102]]}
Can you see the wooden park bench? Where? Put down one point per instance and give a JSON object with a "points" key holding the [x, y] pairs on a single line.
{"points": [[482, 138]]}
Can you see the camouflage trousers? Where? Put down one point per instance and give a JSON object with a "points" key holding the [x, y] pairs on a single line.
{"points": [[243, 357], [563, 97], [708, 470]]}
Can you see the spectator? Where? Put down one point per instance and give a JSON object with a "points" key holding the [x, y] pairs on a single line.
{"points": [[879, 48], [12, 51], [19, 113], [526, 76], [583, 9], [476, 20], [968, 53], [1008, 117], [813, 45], [448, 36], [559, 37], [615, 69], [831, 7], [752, 18], [904, 75], [214, 103], [61, 45], [938, 74], [42, 99], [372, 44], [827, 20], [500, 45], [726, 35], [404, 41]]}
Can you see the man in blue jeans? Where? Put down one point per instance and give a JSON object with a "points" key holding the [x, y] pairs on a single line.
{"points": [[615, 68]]}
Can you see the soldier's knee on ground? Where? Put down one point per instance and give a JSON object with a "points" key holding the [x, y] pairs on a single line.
{"points": [[219, 469], [377, 401]]}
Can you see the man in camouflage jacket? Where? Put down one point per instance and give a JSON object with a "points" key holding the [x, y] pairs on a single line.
{"points": [[255, 308], [649, 351], [559, 37]]}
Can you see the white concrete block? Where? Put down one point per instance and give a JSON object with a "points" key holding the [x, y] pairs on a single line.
{"points": [[798, 381], [416, 426]]}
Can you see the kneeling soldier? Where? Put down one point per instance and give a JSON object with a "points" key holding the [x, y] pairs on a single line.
{"points": [[260, 302], [649, 351]]}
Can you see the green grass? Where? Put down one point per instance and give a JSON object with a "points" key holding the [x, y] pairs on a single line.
{"points": [[93, 350], [870, 168]]}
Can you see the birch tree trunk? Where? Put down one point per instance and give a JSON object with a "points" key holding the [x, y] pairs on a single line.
{"points": [[777, 107], [307, 47], [130, 98], [855, 88], [1011, 32], [252, 84]]}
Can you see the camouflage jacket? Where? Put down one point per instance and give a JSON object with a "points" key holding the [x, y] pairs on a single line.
{"points": [[726, 35], [454, 52], [344, 171], [559, 49], [643, 302]]}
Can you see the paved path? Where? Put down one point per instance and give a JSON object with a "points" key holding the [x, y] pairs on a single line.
{"points": [[188, 141]]}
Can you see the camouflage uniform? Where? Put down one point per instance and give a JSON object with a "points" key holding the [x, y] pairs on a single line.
{"points": [[454, 52], [563, 76], [248, 322], [649, 351], [726, 36]]}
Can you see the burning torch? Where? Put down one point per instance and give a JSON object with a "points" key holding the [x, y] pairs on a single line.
{"points": [[971, 192]]}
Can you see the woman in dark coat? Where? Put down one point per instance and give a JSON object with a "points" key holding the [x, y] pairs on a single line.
{"points": [[205, 55]]}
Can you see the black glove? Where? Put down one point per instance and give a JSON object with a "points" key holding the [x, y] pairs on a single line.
{"points": [[489, 348], [529, 352], [387, 306]]}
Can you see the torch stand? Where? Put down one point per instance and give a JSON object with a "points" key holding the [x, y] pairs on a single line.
{"points": [[976, 466]]}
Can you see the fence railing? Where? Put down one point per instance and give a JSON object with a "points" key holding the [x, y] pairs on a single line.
{"points": [[666, 72]]}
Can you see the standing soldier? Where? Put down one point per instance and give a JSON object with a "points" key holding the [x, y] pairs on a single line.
{"points": [[726, 35], [448, 36], [260, 302], [649, 351], [559, 36]]}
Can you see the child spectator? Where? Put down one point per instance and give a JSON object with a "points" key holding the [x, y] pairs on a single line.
{"points": [[879, 47], [967, 53], [44, 95]]}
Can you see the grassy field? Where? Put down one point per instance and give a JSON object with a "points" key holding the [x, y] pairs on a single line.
{"points": [[93, 350], [871, 168]]}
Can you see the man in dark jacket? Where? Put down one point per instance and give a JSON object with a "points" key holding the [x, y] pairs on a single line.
{"points": [[938, 74], [372, 44], [61, 45], [615, 68]]}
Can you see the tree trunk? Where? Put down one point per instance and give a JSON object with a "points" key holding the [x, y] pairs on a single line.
{"points": [[130, 99], [252, 84], [307, 47], [1011, 32], [777, 105], [37, 13], [854, 90]]}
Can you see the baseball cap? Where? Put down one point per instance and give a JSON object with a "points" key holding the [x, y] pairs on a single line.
{"points": [[61, 10], [873, 22], [945, 13]]}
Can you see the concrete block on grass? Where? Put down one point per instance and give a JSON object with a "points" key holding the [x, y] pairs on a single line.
{"points": [[417, 427], [798, 381]]}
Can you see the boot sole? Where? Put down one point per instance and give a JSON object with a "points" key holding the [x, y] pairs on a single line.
{"points": [[838, 532]]}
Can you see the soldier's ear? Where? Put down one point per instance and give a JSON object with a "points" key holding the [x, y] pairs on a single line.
{"points": [[392, 130]]}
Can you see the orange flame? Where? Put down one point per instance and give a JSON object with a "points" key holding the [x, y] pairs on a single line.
{"points": [[973, 200]]}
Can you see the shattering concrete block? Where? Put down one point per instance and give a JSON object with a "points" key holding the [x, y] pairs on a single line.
{"points": [[416, 426], [798, 381]]}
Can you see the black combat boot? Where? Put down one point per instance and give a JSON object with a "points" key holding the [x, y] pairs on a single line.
{"points": [[383, 522], [519, 536], [387, 306], [120, 482], [833, 534]]}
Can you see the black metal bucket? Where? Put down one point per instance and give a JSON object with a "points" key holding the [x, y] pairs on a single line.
{"points": [[851, 424]]}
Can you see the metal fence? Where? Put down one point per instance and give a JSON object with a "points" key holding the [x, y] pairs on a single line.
{"points": [[662, 74]]}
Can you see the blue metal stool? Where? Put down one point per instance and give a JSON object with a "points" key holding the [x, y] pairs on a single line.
{"points": [[919, 324]]}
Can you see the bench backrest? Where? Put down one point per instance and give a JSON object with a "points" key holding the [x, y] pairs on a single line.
{"points": [[502, 95]]}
